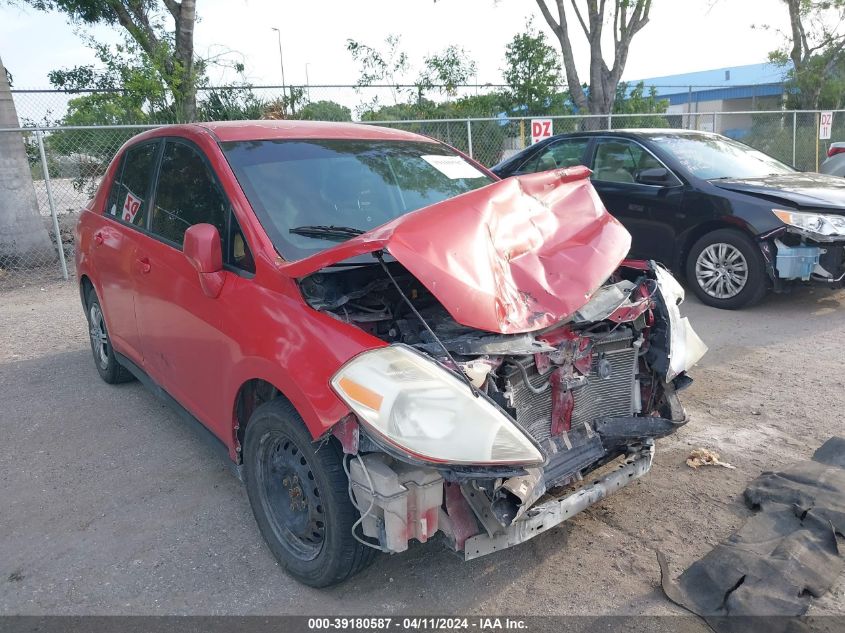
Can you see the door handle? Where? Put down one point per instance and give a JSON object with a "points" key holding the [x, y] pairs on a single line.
{"points": [[144, 264], [98, 238]]}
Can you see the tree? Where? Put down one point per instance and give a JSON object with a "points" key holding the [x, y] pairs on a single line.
{"points": [[171, 52], [24, 240], [531, 71], [325, 111], [815, 50], [447, 70], [377, 66], [632, 101], [627, 19]]}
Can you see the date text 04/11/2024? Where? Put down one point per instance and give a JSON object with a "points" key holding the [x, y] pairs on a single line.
{"points": [[417, 623]]}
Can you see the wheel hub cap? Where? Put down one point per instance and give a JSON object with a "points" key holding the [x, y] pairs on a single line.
{"points": [[721, 270]]}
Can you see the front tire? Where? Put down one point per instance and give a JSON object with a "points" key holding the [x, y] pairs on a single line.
{"points": [[110, 370], [726, 270], [299, 496]]}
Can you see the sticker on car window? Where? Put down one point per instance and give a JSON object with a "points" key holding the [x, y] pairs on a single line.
{"points": [[453, 167], [130, 207]]}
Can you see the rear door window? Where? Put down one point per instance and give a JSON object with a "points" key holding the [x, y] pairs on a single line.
{"points": [[621, 160], [564, 153], [187, 194], [128, 198]]}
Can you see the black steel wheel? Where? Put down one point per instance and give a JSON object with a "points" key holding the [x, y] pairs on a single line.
{"points": [[299, 495], [290, 496]]}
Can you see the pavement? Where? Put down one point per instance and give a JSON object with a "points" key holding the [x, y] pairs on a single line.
{"points": [[110, 504]]}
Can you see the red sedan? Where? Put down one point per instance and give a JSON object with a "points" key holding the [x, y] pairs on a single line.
{"points": [[387, 340]]}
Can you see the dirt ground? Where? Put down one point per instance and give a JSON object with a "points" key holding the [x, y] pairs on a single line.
{"points": [[109, 504]]}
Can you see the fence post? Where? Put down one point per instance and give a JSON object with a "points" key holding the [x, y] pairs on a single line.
{"points": [[714, 130], [609, 121], [469, 137], [39, 136], [794, 134]]}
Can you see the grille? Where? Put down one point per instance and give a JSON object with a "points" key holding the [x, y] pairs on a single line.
{"points": [[599, 397]]}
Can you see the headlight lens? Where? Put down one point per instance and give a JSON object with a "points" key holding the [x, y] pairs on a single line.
{"points": [[425, 410], [819, 223]]}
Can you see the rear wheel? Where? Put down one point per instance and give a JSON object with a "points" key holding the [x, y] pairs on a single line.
{"points": [[299, 496], [726, 270], [108, 367]]}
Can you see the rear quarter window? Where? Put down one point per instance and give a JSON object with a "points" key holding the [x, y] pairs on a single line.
{"points": [[128, 197]]}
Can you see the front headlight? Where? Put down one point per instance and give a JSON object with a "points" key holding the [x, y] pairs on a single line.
{"points": [[429, 412], [818, 223]]}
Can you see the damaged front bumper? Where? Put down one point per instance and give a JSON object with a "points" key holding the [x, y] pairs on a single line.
{"points": [[795, 257], [590, 393], [547, 514]]}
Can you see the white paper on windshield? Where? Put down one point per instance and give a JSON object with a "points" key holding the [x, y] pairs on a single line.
{"points": [[453, 167]]}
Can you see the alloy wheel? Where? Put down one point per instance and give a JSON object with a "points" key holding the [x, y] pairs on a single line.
{"points": [[99, 339], [721, 270]]}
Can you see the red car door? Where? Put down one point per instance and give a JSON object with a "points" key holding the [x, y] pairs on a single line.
{"points": [[185, 349], [114, 250]]}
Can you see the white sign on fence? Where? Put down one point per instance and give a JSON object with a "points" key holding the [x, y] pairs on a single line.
{"points": [[540, 129], [825, 125]]}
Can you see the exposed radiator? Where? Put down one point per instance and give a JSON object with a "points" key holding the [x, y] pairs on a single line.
{"points": [[609, 396]]}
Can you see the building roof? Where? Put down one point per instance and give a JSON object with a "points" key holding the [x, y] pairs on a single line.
{"points": [[733, 82]]}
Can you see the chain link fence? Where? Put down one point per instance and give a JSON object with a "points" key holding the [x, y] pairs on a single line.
{"points": [[59, 168]]}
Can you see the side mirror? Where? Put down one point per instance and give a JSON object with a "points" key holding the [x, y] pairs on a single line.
{"points": [[203, 249], [654, 176]]}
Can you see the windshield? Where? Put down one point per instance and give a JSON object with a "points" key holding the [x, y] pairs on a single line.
{"points": [[712, 157], [310, 193]]}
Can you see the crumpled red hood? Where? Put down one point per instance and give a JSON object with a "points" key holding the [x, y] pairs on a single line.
{"points": [[515, 256]]}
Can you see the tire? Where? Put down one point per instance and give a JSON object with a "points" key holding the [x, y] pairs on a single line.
{"points": [[726, 270], [110, 370], [299, 496]]}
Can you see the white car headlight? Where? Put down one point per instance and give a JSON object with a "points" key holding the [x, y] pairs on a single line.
{"points": [[428, 412], [685, 347], [818, 223]]}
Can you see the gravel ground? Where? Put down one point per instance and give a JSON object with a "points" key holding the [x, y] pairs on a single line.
{"points": [[111, 505]]}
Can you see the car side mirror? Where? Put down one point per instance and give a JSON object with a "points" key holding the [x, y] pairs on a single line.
{"points": [[203, 249], [654, 176]]}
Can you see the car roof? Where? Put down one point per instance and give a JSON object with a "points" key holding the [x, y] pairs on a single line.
{"points": [[646, 131], [289, 129]]}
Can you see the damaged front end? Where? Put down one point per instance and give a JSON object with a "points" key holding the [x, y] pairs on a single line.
{"points": [[564, 401], [481, 419], [809, 247]]}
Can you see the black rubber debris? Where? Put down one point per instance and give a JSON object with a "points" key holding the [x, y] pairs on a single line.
{"points": [[765, 575]]}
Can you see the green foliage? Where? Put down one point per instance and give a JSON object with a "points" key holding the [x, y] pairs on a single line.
{"points": [[236, 104], [532, 72], [813, 54], [136, 89], [375, 66], [325, 111], [447, 70], [818, 84], [631, 102]]}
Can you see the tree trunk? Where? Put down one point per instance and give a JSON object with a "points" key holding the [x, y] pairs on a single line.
{"points": [[184, 54], [24, 241]]}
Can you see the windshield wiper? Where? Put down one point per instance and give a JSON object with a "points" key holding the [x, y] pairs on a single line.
{"points": [[327, 232]]}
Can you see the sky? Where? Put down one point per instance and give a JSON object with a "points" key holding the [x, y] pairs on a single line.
{"points": [[682, 36]]}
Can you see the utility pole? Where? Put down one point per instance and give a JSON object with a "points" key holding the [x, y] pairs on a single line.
{"points": [[282, 65], [307, 81]]}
